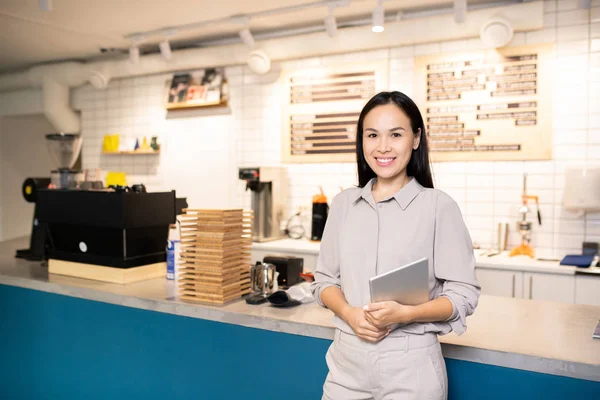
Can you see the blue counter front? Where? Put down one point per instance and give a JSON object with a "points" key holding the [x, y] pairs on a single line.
{"points": [[54, 346]]}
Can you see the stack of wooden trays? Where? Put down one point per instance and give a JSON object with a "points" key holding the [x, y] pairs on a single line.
{"points": [[215, 255]]}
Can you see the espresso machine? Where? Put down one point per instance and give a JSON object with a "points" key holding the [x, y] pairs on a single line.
{"points": [[269, 186], [80, 221]]}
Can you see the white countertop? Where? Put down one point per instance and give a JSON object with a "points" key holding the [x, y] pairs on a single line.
{"points": [[500, 261], [289, 245], [545, 337]]}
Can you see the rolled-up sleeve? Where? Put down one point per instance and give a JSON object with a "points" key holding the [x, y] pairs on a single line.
{"points": [[327, 272], [454, 262]]}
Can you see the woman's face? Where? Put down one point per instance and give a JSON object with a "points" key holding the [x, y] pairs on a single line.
{"points": [[388, 141]]}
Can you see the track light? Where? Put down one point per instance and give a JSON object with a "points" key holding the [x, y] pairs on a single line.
{"points": [[165, 49], [134, 54], [331, 25], [247, 37], [134, 50], [399, 16], [378, 18], [460, 11]]}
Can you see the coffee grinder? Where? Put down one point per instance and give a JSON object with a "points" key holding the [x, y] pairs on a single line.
{"points": [[64, 150], [269, 191]]}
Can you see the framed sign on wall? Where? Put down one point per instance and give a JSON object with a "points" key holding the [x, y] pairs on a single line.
{"points": [[321, 108], [204, 88], [487, 105]]}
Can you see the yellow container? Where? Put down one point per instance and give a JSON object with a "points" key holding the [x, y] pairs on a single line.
{"points": [[115, 178], [110, 144]]}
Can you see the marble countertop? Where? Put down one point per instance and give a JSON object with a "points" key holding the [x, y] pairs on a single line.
{"points": [[546, 337], [291, 245], [500, 261]]}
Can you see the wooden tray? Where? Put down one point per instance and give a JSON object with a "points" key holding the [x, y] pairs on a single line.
{"points": [[107, 274]]}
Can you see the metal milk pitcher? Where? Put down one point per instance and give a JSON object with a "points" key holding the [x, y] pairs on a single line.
{"points": [[262, 278]]}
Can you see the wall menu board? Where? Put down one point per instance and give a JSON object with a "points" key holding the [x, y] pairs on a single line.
{"points": [[488, 105], [321, 109]]}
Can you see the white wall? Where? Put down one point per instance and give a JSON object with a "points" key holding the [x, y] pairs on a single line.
{"points": [[201, 155], [23, 154], [196, 153]]}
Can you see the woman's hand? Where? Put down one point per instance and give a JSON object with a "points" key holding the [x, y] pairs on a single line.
{"points": [[386, 313], [355, 317]]}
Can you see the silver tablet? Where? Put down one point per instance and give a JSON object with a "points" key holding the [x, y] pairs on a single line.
{"points": [[408, 284]]}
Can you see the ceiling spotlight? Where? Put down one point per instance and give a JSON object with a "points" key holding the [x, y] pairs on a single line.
{"points": [[247, 37], [45, 5], [331, 25], [378, 17], [460, 11], [134, 54], [165, 49]]}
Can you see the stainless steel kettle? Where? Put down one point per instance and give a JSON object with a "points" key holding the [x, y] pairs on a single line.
{"points": [[263, 278]]}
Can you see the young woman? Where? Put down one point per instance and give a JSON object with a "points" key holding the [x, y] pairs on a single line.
{"points": [[388, 350]]}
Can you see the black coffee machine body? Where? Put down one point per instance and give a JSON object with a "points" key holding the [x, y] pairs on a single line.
{"points": [[80, 221]]}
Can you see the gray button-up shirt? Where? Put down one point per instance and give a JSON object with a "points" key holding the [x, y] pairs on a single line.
{"points": [[363, 239]]}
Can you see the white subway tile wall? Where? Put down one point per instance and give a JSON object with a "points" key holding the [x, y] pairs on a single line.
{"points": [[201, 155]]}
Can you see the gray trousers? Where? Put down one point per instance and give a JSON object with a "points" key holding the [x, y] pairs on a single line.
{"points": [[398, 368]]}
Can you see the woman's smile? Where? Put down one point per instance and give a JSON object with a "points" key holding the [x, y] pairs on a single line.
{"points": [[385, 161]]}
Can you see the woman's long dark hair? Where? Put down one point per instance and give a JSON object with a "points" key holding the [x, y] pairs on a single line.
{"points": [[418, 166]]}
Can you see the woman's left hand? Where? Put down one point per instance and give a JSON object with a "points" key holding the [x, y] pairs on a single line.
{"points": [[386, 313]]}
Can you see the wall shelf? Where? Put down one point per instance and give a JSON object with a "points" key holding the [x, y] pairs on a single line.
{"points": [[134, 152], [184, 106]]}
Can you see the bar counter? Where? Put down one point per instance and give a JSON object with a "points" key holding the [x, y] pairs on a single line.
{"points": [[65, 337]]}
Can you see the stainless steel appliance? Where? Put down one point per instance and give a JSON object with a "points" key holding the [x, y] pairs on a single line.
{"points": [[269, 192], [262, 282]]}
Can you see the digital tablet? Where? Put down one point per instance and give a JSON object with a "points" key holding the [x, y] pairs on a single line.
{"points": [[408, 284]]}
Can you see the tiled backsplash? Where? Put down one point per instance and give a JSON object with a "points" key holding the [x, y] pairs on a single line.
{"points": [[201, 155]]}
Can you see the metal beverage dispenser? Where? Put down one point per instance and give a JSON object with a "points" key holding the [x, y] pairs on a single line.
{"points": [[269, 193]]}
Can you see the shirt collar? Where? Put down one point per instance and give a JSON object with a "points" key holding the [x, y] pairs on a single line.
{"points": [[403, 196]]}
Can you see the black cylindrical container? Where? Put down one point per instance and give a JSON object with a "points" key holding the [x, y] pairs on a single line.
{"points": [[319, 217]]}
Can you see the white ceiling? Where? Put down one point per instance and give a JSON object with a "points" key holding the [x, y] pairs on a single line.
{"points": [[77, 29]]}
